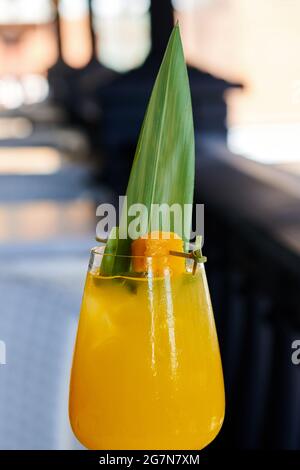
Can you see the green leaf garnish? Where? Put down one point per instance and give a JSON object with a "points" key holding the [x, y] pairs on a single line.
{"points": [[164, 162]]}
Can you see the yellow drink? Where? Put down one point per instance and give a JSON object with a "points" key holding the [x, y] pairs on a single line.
{"points": [[146, 371]]}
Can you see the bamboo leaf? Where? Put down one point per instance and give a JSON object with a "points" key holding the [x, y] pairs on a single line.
{"points": [[107, 265], [164, 162]]}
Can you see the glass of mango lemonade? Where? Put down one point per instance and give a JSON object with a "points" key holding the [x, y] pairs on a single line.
{"points": [[146, 371]]}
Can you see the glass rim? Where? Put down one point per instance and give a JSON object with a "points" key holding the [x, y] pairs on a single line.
{"points": [[99, 251]]}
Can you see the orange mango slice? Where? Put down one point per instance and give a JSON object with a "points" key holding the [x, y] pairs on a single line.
{"points": [[151, 252]]}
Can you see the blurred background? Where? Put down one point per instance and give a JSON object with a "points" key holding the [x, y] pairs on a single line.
{"points": [[75, 77]]}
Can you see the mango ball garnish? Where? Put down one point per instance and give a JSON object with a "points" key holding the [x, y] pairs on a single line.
{"points": [[152, 252]]}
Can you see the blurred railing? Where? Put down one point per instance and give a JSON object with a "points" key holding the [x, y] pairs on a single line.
{"points": [[254, 282]]}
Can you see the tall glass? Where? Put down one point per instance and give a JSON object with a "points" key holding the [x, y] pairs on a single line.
{"points": [[146, 371]]}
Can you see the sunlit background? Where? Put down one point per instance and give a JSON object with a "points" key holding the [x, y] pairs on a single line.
{"points": [[75, 77]]}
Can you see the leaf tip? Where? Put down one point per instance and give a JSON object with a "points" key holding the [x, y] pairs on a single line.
{"points": [[176, 36]]}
